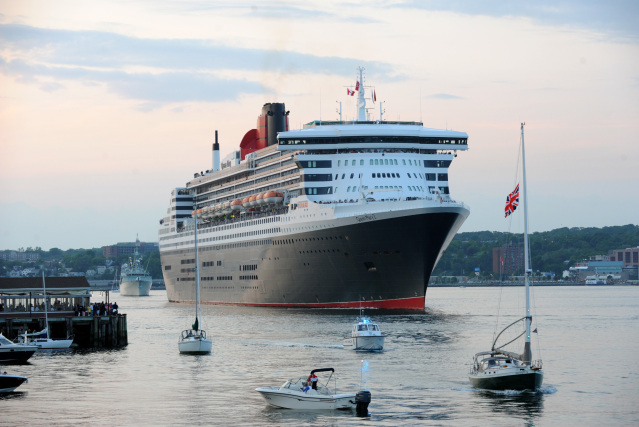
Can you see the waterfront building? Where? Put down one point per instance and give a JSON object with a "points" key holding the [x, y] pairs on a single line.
{"points": [[508, 259], [128, 248]]}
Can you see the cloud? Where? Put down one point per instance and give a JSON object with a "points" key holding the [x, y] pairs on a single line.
{"points": [[178, 70], [617, 18]]}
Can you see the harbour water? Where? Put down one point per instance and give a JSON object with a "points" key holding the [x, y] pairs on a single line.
{"points": [[588, 339]]}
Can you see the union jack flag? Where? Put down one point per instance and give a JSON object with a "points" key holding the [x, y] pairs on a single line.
{"points": [[512, 201]]}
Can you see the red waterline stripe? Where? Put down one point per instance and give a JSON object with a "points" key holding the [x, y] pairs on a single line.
{"points": [[417, 303]]}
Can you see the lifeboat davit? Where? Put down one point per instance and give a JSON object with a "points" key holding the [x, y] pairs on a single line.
{"points": [[245, 202], [236, 205], [273, 197]]}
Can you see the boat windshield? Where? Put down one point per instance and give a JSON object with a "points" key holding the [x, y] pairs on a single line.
{"points": [[4, 341]]}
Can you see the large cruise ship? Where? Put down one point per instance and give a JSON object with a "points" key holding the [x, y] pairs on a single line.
{"points": [[337, 214]]}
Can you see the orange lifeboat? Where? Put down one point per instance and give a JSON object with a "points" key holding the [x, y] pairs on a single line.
{"points": [[226, 208], [273, 197], [236, 205], [199, 212], [259, 199], [251, 201], [245, 202]]}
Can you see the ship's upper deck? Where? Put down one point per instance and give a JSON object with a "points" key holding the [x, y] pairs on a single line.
{"points": [[340, 134]]}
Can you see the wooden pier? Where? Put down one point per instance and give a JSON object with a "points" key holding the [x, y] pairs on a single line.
{"points": [[87, 331], [22, 306]]}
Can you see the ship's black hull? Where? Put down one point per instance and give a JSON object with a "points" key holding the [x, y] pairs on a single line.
{"points": [[378, 263]]}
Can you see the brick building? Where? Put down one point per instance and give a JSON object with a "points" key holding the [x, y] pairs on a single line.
{"points": [[508, 260]]}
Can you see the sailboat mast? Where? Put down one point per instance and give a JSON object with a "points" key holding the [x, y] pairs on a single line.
{"points": [[197, 275], [527, 350], [46, 309]]}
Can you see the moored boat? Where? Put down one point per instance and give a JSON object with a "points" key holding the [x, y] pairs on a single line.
{"points": [[15, 353]]}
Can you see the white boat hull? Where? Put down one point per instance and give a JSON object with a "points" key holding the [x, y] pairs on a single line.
{"points": [[49, 344], [368, 343], [136, 288], [195, 346], [290, 399]]}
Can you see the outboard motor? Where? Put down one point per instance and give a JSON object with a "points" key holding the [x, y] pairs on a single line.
{"points": [[362, 399]]}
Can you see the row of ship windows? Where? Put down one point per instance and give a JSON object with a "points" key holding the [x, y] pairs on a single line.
{"points": [[244, 234], [247, 183], [250, 267], [376, 162], [218, 278], [219, 247], [315, 191], [211, 263], [322, 177], [209, 229], [374, 139], [307, 239]]}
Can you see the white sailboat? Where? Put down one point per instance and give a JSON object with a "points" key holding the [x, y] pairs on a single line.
{"points": [[194, 341], [41, 338], [499, 369]]}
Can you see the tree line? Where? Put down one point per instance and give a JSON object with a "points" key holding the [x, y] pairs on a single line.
{"points": [[56, 260], [551, 251]]}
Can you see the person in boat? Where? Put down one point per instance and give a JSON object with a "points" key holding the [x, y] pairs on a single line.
{"points": [[313, 380]]}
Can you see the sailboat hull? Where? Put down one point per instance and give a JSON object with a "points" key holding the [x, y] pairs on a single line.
{"points": [[522, 379], [50, 344], [195, 346]]}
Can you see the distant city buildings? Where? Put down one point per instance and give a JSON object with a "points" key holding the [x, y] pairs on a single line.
{"points": [[629, 256], [19, 256], [508, 260], [128, 248]]}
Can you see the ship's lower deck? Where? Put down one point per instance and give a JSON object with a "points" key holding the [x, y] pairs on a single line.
{"points": [[383, 264]]}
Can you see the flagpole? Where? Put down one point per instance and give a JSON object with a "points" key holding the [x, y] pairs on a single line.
{"points": [[527, 351]]}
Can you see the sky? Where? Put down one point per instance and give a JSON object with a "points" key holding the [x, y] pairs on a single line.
{"points": [[106, 106]]}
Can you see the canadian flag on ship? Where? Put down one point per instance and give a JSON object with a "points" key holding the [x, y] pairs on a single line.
{"points": [[350, 92], [357, 86]]}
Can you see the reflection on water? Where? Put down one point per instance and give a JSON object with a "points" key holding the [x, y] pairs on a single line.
{"points": [[419, 378], [521, 405]]}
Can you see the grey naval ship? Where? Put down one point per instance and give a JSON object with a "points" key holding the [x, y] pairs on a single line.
{"points": [[338, 214]]}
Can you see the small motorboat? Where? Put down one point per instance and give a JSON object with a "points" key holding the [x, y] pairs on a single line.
{"points": [[300, 393], [15, 353], [8, 383], [366, 336]]}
